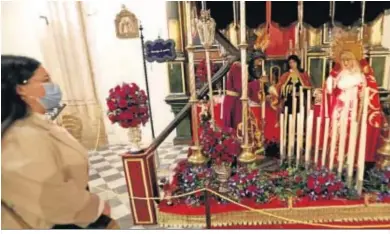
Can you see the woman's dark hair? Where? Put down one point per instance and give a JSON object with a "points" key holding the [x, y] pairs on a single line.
{"points": [[297, 60], [15, 70]]}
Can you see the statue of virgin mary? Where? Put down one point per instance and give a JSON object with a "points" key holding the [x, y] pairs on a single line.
{"points": [[345, 87]]}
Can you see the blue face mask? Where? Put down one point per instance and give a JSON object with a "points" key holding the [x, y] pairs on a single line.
{"points": [[53, 96]]}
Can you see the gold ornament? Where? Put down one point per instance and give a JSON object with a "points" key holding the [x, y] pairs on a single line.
{"points": [[346, 41], [262, 40]]}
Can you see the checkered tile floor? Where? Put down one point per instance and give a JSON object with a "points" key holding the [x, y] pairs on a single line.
{"points": [[106, 178]]}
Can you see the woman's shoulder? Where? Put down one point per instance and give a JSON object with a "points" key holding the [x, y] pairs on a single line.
{"points": [[26, 131]]}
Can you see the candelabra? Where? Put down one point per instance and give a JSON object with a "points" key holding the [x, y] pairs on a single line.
{"points": [[206, 31], [196, 157]]}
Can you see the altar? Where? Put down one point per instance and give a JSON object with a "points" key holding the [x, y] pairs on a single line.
{"points": [[329, 167]]}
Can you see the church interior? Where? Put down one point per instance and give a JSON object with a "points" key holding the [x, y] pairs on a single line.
{"points": [[197, 114]]}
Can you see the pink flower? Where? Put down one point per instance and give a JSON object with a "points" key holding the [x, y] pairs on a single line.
{"points": [[317, 190]]}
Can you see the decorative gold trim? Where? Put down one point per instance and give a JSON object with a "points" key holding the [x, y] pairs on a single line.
{"points": [[232, 93], [363, 212], [131, 189]]}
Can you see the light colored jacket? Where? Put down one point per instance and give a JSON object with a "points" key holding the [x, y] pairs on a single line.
{"points": [[44, 176]]}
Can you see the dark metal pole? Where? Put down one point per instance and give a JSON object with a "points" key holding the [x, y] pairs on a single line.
{"points": [[207, 208], [146, 79]]}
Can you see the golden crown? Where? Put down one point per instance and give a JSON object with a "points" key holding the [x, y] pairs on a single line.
{"points": [[346, 41]]}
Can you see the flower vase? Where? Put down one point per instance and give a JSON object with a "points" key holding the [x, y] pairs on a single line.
{"points": [[223, 172], [135, 138]]}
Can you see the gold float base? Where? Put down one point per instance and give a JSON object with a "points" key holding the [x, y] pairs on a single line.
{"points": [[310, 215], [246, 156], [196, 157]]}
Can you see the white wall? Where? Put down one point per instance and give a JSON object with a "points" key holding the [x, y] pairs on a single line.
{"points": [[114, 60], [19, 28], [120, 60]]}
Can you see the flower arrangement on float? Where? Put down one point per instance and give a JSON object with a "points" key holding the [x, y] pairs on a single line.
{"points": [[128, 107], [378, 182]]}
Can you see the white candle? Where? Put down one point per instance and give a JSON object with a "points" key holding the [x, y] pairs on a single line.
{"points": [[294, 114], [301, 100], [333, 143], [343, 135], [351, 152], [242, 21], [362, 144], [318, 129], [302, 111], [263, 110], [325, 142], [354, 108], [285, 130], [281, 147], [308, 101], [326, 104], [290, 148], [309, 130], [298, 149]]}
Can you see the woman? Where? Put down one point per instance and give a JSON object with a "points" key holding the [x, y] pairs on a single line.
{"points": [[296, 77], [44, 169]]}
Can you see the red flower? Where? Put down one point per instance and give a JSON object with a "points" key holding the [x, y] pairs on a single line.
{"points": [[111, 105], [218, 135], [189, 178], [311, 183], [201, 175], [339, 185], [331, 177], [124, 124], [298, 179], [251, 176], [219, 149], [112, 117], [317, 190], [252, 188], [332, 188], [117, 89], [322, 180], [299, 192], [122, 103], [235, 178]]}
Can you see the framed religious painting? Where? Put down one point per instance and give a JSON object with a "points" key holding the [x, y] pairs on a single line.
{"points": [[126, 24]]}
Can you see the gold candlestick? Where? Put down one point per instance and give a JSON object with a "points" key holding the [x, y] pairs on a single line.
{"points": [[247, 155], [196, 157]]}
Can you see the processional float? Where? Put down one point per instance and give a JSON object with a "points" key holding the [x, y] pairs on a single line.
{"points": [[299, 153]]}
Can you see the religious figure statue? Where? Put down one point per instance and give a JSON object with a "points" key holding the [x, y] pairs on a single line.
{"points": [[281, 94], [345, 87], [232, 107]]}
